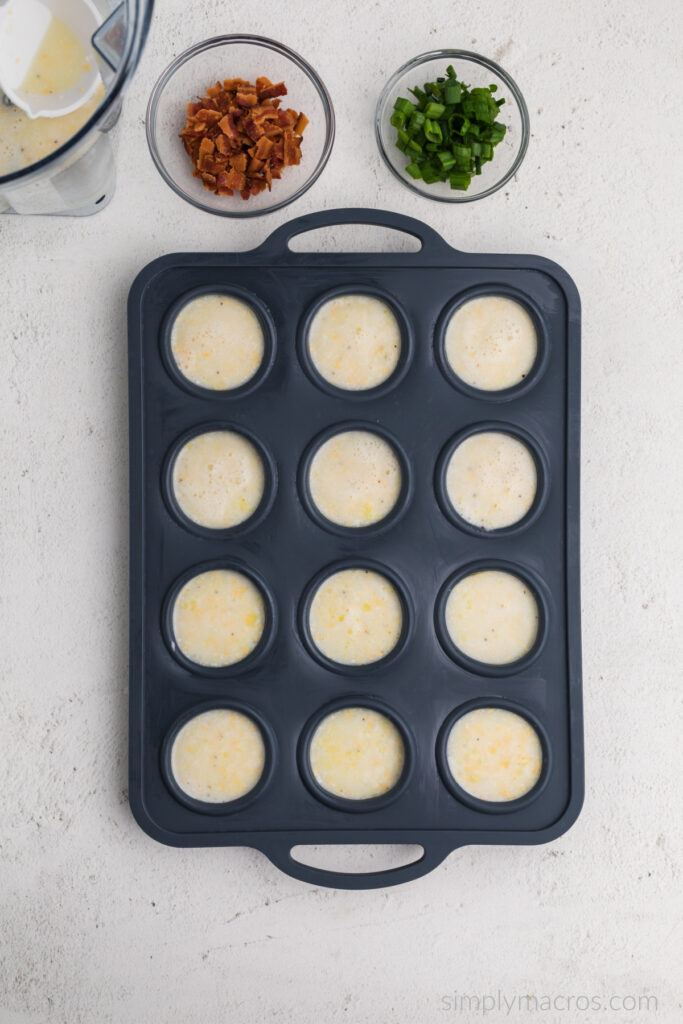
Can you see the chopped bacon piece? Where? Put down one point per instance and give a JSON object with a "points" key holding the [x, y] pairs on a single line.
{"points": [[228, 126], [271, 91], [263, 148], [246, 99], [239, 138], [292, 151], [233, 84], [261, 114], [253, 130], [223, 144], [237, 179], [208, 115]]}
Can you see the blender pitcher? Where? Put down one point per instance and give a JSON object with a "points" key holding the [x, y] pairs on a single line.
{"points": [[77, 177]]}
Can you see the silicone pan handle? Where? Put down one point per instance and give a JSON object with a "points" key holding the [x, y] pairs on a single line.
{"points": [[277, 243], [278, 850]]}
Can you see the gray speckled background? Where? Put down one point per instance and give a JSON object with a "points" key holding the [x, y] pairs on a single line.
{"points": [[97, 923]]}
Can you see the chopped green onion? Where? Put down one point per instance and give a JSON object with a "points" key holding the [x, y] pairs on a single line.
{"points": [[452, 94], [460, 181], [460, 125], [434, 110], [404, 106], [432, 130], [449, 132], [430, 174], [462, 156]]}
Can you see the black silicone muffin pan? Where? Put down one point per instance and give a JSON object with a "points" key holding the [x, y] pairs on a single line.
{"points": [[286, 686]]}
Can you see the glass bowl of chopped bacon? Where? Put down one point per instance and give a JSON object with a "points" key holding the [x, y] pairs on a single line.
{"points": [[240, 125]]}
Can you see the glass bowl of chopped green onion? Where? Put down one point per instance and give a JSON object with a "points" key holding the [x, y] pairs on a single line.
{"points": [[452, 125]]}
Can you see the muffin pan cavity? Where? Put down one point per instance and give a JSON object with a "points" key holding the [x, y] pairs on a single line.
{"points": [[219, 618], [305, 573], [219, 480], [355, 616], [218, 342], [492, 617], [355, 342], [356, 754], [492, 479], [218, 757], [492, 342], [355, 478], [493, 755]]}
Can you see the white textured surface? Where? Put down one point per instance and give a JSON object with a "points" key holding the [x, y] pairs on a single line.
{"points": [[99, 924]]}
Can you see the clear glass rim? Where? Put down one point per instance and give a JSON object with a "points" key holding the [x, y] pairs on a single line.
{"points": [[209, 44], [135, 42], [475, 58]]}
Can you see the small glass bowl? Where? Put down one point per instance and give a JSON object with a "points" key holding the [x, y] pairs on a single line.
{"points": [[238, 56], [474, 70]]}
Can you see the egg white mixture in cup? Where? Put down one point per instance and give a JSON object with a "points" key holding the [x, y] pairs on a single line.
{"points": [[355, 617], [354, 342], [491, 343], [491, 480], [356, 753], [217, 342], [355, 478], [492, 617], [218, 479], [219, 617], [218, 756], [494, 754]]}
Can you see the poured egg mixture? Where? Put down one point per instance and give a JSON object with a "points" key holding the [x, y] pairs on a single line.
{"points": [[492, 616], [356, 753], [494, 754], [355, 617], [218, 479], [218, 756], [355, 478], [217, 342], [491, 480], [354, 342], [491, 342], [218, 618]]}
